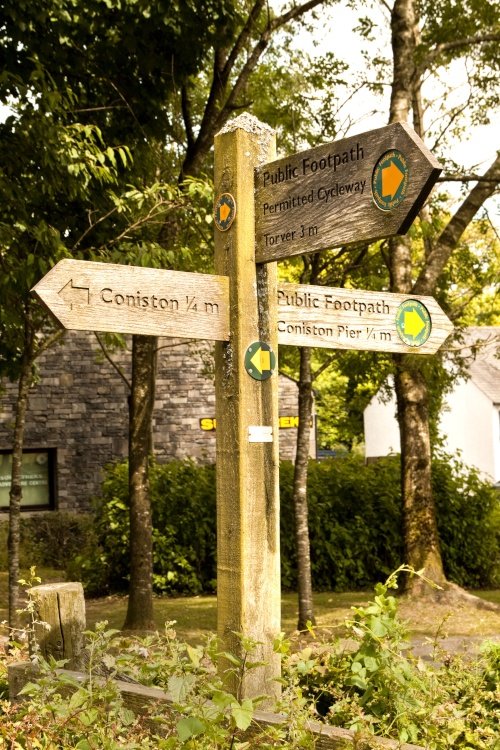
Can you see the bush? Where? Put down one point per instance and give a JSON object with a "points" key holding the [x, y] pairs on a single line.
{"points": [[49, 540], [354, 522], [355, 526], [183, 511], [468, 513], [371, 684], [377, 686]]}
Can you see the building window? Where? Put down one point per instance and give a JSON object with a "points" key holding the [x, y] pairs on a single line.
{"points": [[37, 478]]}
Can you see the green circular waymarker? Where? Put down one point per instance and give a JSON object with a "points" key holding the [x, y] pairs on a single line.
{"points": [[260, 361], [413, 322], [390, 180], [224, 211]]}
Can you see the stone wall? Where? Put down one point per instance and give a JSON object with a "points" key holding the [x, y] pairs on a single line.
{"points": [[79, 407]]}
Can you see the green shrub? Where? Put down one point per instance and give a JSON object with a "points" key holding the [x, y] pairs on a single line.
{"points": [[49, 540], [371, 684], [183, 512], [377, 686], [355, 523], [52, 540], [468, 513]]}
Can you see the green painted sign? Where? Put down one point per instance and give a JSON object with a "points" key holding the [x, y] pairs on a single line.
{"points": [[390, 180], [413, 322], [260, 361]]}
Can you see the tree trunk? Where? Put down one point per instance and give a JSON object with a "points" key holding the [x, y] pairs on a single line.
{"points": [[420, 528], [16, 491], [306, 611], [419, 516], [140, 601]]}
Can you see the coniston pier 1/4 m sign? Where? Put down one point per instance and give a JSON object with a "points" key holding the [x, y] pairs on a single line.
{"points": [[89, 296], [363, 188], [361, 320]]}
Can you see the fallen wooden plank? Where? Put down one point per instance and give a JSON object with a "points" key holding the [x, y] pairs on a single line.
{"points": [[139, 699]]}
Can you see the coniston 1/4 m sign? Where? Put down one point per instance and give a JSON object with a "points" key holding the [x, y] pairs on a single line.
{"points": [[357, 189]]}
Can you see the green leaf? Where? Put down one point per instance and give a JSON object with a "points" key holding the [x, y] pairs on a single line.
{"points": [[189, 727], [222, 699], [127, 716], [377, 627], [179, 686], [78, 699], [88, 718], [242, 714], [194, 655], [371, 664]]}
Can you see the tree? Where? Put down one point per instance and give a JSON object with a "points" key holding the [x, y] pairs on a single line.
{"points": [[410, 64], [412, 262], [73, 164], [163, 104]]}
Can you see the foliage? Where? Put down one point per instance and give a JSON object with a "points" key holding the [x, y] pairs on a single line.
{"points": [[370, 683], [183, 509], [90, 714], [468, 512], [378, 686], [354, 522], [355, 526]]}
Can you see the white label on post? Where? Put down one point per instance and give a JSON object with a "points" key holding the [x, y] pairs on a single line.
{"points": [[260, 434]]}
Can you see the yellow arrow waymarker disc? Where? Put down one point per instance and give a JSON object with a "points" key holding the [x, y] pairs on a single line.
{"points": [[413, 322], [260, 360]]}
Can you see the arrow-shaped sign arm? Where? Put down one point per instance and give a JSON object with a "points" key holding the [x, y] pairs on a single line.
{"points": [[429, 166], [60, 296]]}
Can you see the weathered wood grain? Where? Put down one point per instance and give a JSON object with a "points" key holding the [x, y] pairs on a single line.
{"points": [[60, 621], [248, 556], [89, 296], [355, 319], [140, 698], [322, 197]]}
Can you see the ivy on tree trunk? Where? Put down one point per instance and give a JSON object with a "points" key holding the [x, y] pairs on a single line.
{"points": [[16, 491], [304, 582], [140, 600]]}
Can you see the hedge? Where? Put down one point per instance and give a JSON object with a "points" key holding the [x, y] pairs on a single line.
{"points": [[354, 515]]}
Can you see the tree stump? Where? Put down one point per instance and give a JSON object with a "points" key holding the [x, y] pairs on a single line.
{"points": [[60, 621]]}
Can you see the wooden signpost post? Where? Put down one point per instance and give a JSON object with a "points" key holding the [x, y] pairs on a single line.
{"points": [[361, 188], [248, 550]]}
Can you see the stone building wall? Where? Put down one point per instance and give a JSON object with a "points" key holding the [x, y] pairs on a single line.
{"points": [[79, 407]]}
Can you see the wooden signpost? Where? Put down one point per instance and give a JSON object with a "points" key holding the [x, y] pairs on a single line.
{"points": [[87, 296], [357, 189], [355, 319], [361, 188], [248, 547]]}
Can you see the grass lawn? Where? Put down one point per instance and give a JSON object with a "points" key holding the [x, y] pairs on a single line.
{"points": [[196, 616]]}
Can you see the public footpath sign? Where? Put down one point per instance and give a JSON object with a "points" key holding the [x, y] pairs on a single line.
{"points": [[360, 320], [89, 296], [362, 188]]}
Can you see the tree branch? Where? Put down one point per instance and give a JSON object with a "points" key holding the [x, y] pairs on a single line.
{"points": [[113, 364], [186, 116], [468, 41], [466, 178], [218, 112], [451, 234]]}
